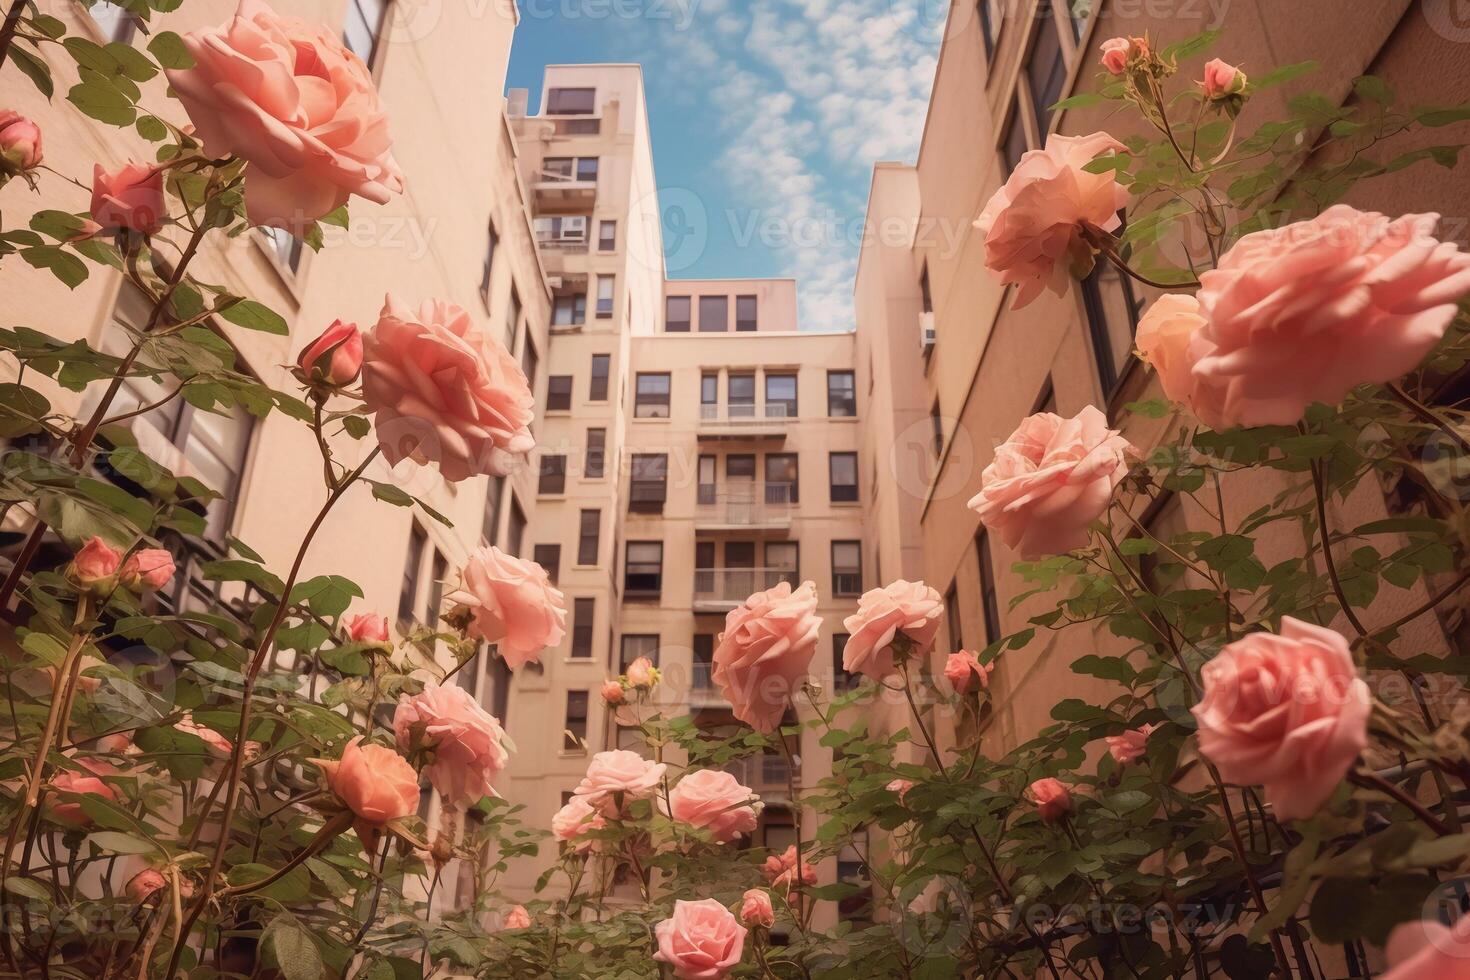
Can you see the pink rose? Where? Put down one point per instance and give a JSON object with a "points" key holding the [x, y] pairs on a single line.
{"points": [[1168, 338], [464, 741], [573, 822], [780, 870], [367, 628], [642, 674], [755, 909], [1051, 479], [20, 142], [289, 98], [764, 652], [118, 743], [615, 777], [1131, 745], [1222, 79], [95, 567], [702, 941], [443, 389], [1307, 312], [900, 787], [1115, 54], [714, 801], [963, 669], [216, 743], [143, 884], [374, 782], [334, 358], [1428, 950], [130, 198], [147, 569], [613, 693], [1286, 711], [512, 604], [84, 783], [911, 608], [517, 918], [1032, 225], [1053, 800]]}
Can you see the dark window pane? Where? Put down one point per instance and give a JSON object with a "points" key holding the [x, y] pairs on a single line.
{"points": [[575, 735], [841, 394], [842, 468], [597, 390], [781, 396], [587, 541], [559, 393], [651, 396], [676, 314], [490, 530], [548, 556], [643, 573], [571, 101], [847, 568], [1046, 72], [745, 312], [596, 453], [413, 563], [584, 616], [714, 314], [553, 474], [649, 485]]}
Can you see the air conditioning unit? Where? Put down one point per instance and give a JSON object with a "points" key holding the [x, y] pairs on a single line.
{"points": [[927, 333], [574, 227], [555, 282]]}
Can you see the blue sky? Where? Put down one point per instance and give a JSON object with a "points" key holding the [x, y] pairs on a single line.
{"points": [[767, 113]]}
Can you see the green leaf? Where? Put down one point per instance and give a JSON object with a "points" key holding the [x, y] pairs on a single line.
{"points": [[1191, 46], [151, 128], [20, 408], [1443, 117], [293, 947], [255, 316], [35, 69], [103, 102], [121, 843], [71, 270], [1080, 101], [1284, 73], [356, 426], [169, 49]]}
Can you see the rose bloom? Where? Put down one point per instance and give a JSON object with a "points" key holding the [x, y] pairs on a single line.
{"points": [[1221, 79], [901, 787], [1429, 950], [1307, 312], [1053, 800], [94, 566], [764, 652], [1286, 711], [216, 743], [466, 741], [572, 822], [1115, 54], [910, 608], [963, 669], [147, 569], [374, 782], [701, 941], [118, 743], [641, 674], [512, 604], [83, 783], [367, 628], [334, 358], [286, 96], [613, 693], [129, 198], [618, 773], [780, 870], [517, 918], [755, 908], [445, 390], [714, 801], [1168, 338], [20, 142], [143, 884], [1051, 479], [1032, 225], [1131, 745]]}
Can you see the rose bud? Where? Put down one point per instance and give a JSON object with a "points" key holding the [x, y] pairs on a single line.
{"points": [[367, 628], [1222, 79], [613, 693], [95, 567], [131, 198], [20, 143], [755, 909], [334, 358], [143, 884], [1053, 800], [1115, 54], [642, 674], [147, 569]]}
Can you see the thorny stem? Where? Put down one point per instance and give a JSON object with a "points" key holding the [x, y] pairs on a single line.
{"points": [[7, 30], [1319, 484], [1427, 414], [1374, 781]]}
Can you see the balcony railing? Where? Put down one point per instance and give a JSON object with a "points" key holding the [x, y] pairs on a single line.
{"points": [[744, 419], [744, 507], [572, 245], [725, 588]]}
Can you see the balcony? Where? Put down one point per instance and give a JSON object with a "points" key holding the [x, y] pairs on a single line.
{"points": [[558, 189], [719, 590], [566, 245], [743, 509], [743, 420]]}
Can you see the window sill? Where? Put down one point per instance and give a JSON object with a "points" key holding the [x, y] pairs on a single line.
{"points": [[559, 495], [846, 503]]}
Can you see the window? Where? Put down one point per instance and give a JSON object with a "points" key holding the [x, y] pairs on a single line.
{"points": [[584, 618], [587, 537], [704, 666], [782, 483], [567, 169], [714, 314], [571, 101], [637, 645], [438, 571], [745, 313], [607, 236], [952, 618], [515, 535], [490, 248], [553, 474], [559, 393], [651, 396], [783, 560], [991, 12], [741, 400], [707, 487], [936, 426], [1015, 146], [1078, 12], [650, 482], [841, 395], [676, 314], [740, 466], [1112, 320], [587, 170], [575, 735], [530, 362], [364, 28], [286, 247], [490, 529], [606, 286], [926, 296], [596, 460], [597, 387], [513, 320], [842, 468], [115, 23], [548, 556], [988, 601], [569, 310], [1046, 399], [781, 396], [408, 591], [847, 568], [841, 679], [567, 229], [709, 395], [643, 572], [1046, 71]]}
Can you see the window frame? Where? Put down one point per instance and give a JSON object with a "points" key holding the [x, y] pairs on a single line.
{"points": [[598, 381], [648, 493], [589, 538], [551, 479], [594, 462], [580, 702], [548, 556], [606, 242], [839, 493], [655, 401], [606, 304], [857, 571], [793, 493], [753, 320], [559, 392], [851, 398], [584, 626], [551, 98], [655, 588], [686, 322], [709, 302], [793, 404]]}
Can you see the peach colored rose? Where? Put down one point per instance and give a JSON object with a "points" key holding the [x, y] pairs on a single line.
{"points": [[147, 569], [367, 628], [142, 885], [1307, 312], [755, 908], [1115, 54], [1222, 79], [130, 198], [214, 742], [613, 693], [573, 822], [1429, 950], [642, 674], [20, 143], [1285, 711], [118, 743], [900, 787], [714, 801], [1131, 745], [374, 782], [1032, 225], [911, 608], [334, 359], [289, 98], [464, 742], [95, 567], [86, 782], [701, 941], [512, 604], [764, 652], [964, 669], [1051, 479], [517, 918], [1053, 800], [1168, 338], [618, 776], [445, 390], [780, 870]]}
